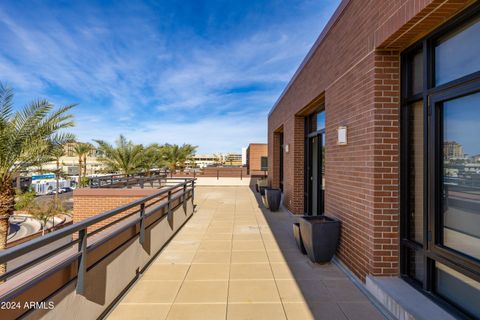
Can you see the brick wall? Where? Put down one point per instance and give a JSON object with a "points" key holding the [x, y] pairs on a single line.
{"points": [[255, 152], [90, 202], [355, 68]]}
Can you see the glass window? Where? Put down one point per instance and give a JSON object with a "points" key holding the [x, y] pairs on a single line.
{"points": [[416, 171], [264, 163], [457, 53], [461, 174], [416, 69], [321, 120], [461, 290], [416, 265]]}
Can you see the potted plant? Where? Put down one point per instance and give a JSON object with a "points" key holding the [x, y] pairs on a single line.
{"points": [[262, 185], [273, 197], [298, 237], [320, 235]]}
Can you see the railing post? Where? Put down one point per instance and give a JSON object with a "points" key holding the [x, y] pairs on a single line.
{"points": [[185, 197], [142, 181], [217, 173], [169, 205], [82, 261], [142, 223], [241, 174], [193, 191]]}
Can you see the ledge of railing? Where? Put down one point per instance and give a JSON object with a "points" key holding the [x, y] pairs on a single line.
{"points": [[178, 191]]}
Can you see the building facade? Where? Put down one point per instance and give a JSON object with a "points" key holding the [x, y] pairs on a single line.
{"points": [[377, 128], [257, 159]]}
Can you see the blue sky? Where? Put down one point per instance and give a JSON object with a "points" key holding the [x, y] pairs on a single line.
{"points": [[199, 72]]}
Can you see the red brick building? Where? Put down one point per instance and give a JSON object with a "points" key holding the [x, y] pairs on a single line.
{"points": [[257, 159], [358, 134]]}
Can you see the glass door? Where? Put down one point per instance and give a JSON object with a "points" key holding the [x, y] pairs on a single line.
{"points": [[315, 168]]}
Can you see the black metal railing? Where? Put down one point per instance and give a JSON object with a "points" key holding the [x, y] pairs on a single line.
{"points": [[179, 191], [128, 181]]}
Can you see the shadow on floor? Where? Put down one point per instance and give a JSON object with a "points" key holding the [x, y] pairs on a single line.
{"points": [[326, 290]]}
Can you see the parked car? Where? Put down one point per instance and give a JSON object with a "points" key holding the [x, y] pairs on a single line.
{"points": [[65, 189]]}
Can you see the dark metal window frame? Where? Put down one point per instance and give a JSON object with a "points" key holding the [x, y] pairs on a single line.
{"points": [[308, 135], [432, 97]]}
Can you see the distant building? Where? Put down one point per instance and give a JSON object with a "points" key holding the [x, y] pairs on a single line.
{"points": [[257, 159], [69, 162], [233, 159], [453, 150], [244, 156], [205, 160]]}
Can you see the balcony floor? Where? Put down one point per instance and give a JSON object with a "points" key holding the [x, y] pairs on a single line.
{"points": [[233, 260]]}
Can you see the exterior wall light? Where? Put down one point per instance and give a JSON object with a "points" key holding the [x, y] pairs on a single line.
{"points": [[342, 135], [286, 148]]}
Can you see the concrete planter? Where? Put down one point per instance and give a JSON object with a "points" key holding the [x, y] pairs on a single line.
{"points": [[298, 237], [320, 235], [273, 196], [264, 199], [261, 185]]}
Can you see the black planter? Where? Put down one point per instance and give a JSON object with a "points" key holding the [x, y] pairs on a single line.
{"points": [[273, 196], [298, 237], [262, 190], [320, 236]]}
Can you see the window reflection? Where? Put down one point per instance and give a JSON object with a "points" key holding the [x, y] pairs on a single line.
{"points": [[463, 291], [461, 170], [457, 53], [416, 171]]}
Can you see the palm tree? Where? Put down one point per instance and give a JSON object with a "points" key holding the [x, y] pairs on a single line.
{"points": [[81, 150], [152, 157], [125, 157], [57, 152], [177, 155], [26, 137]]}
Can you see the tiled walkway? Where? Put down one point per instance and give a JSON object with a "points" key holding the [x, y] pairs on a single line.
{"points": [[234, 261]]}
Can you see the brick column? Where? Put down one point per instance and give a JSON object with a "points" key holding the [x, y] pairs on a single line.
{"points": [[386, 212], [275, 169]]}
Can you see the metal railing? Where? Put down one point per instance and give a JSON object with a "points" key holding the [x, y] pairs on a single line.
{"points": [[127, 181], [180, 190]]}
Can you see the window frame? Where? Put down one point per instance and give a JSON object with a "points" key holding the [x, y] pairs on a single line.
{"points": [[431, 96]]}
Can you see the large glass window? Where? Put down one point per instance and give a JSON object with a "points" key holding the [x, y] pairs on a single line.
{"points": [[440, 164], [456, 287], [461, 171], [456, 54], [416, 166]]}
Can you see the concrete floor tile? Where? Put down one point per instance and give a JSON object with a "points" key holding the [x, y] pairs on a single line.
{"points": [[248, 245], [302, 290], [197, 312], [140, 312], [248, 291], [203, 292], [249, 257], [250, 271], [343, 290], [311, 311], [208, 272], [215, 245], [258, 311], [217, 236], [153, 292], [176, 257], [247, 236], [360, 310], [212, 257], [166, 272]]}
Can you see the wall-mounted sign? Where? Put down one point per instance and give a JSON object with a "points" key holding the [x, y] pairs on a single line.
{"points": [[342, 135]]}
